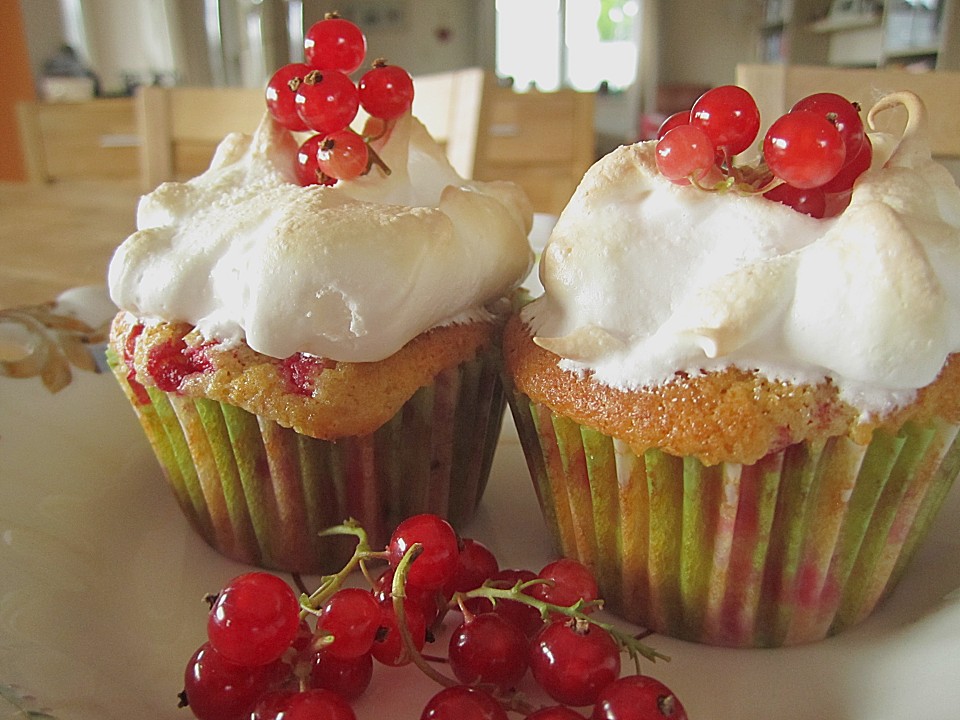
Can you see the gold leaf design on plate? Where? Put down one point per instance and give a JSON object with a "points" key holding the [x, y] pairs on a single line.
{"points": [[19, 703], [47, 344]]}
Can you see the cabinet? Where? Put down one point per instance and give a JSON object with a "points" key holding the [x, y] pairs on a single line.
{"points": [[862, 33]]}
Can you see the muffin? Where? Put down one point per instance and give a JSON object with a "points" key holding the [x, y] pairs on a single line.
{"points": [[744, 418], [301, 355]]}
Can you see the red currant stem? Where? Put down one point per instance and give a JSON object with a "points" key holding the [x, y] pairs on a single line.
{"points": [[375, 159], [436, 659], [722, 185], [398, 593], [329, 584], [629, 643], [767, 187], [300, 584], [460, 600], [385, 126]]}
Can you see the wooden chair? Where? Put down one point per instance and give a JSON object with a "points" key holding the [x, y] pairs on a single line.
{"points": [[449, 105], [180, 127], [777, 87], [543, 141], [88, 140]]}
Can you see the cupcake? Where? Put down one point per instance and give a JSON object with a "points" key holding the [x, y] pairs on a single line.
{"points": [[742, 417], [303, 354]]}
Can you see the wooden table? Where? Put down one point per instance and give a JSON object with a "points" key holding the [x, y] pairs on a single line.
{"points": [[60, 235]]}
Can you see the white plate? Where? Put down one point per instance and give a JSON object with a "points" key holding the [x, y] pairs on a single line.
{"points": [[101, 586]]}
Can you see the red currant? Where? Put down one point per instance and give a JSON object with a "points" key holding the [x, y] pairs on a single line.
{"points": [[569, 581], [574, 662], [488, 650], [349, 677], [388, 648], [217, 689], [851, 170], [809, 201], [430, 602], [462, 703], [843, 114], [308, 170], [170, 363], [327, 101], [300, 370], [555, 712], [281, 94], [729, 116], [343, 155], [526, 617], [386, 91], [254, 619], [475, 565], [437, 562], [637, 697], [334, 44], [306, 705], [352, 616], [685, 152], [804, 149], [271, 705], [675, 120], [836, 203]]}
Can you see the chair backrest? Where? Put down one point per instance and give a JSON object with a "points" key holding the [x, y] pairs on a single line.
{"points": [[180, 127], [543, 141], [777, 87], [449, 105], [93, 139]]}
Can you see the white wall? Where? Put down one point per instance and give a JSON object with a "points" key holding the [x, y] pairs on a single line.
{"points": [[703, 40]]}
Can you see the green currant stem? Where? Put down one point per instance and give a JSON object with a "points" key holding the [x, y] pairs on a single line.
{"points": [[576, 611], [725, 184], [385, 127], [398, 593], [329, 584]]}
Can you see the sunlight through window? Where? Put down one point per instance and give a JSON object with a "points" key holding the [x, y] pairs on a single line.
{"points": [[583, 44]]}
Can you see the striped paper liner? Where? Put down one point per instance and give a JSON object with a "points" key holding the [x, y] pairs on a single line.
{"points": [[261, 493], [791, 549]]}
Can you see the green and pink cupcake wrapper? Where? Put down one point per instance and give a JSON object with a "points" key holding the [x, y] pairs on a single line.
{"points": [[261, 493], [791, 549]]}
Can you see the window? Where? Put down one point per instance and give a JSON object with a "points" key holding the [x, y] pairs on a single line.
{"points": [[583, 44]]}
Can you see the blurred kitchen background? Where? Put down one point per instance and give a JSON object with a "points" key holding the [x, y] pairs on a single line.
{"points": [[641, 58]]}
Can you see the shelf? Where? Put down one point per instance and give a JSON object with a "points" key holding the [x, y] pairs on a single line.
{"points": [[915, 51], [847, 21]]}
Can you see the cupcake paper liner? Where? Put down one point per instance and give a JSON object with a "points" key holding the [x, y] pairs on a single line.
{"points": [[791, 549], [261, 493]]}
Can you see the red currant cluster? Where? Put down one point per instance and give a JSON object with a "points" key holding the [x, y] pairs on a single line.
{"points": [[318, 96], [272, 656], [811, 156]]}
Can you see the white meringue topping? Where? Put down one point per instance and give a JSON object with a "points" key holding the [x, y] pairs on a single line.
{"points": [[644, 278], [350, 272]]}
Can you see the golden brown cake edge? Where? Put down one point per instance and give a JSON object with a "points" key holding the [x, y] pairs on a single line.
{"points": [[727, 416]]}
